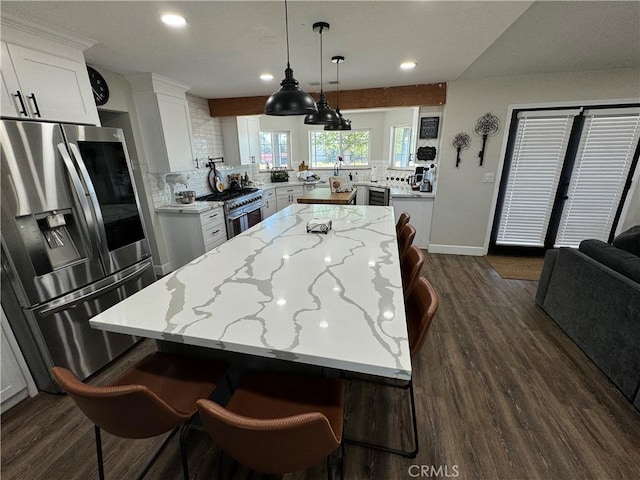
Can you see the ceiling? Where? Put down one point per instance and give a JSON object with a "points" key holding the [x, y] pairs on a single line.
{"points": [[227, 44]]}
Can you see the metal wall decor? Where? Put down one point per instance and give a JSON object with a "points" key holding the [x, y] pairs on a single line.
{"points": [[487, 125], [461, 141]]}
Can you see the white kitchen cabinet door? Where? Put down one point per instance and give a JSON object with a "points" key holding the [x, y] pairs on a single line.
{"points": [[362, 195], [253, 140], [286, 196], [176, 128], [189, 235], [10, 105], [14, 376], [270, 204], [52, 88], [241, 138], [421, 211]]}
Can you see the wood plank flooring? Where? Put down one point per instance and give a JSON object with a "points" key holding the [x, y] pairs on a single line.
{"points": [[501, 393]]}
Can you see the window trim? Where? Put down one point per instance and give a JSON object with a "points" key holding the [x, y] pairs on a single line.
{"points": [[392, 161], [289, 153]]}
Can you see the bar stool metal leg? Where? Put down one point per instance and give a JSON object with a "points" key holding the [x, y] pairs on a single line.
{"points": [[405, 453], [99, 452]]}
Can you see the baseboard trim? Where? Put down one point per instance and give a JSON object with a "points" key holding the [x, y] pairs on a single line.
{"points": [[457, 250], [162, 270]]}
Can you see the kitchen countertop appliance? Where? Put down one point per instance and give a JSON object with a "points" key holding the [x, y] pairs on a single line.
{"points": [[73, 243], [242, 208]]}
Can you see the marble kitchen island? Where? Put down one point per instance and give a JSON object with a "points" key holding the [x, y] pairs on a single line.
{"points": [[332, 300]]}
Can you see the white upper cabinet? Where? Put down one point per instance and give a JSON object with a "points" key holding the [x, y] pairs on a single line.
{"points": [[241, 138], [41, 86], [176, 125], [165, 123]]}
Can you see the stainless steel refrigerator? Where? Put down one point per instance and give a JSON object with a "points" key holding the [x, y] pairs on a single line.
{"points": [[73, 242]]}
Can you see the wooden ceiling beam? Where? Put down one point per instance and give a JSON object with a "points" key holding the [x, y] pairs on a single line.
{"points": [[406, 96]]}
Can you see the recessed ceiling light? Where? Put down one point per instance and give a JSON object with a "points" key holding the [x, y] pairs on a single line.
{"points": [[173, 20], [267, 77], [408, 65]]}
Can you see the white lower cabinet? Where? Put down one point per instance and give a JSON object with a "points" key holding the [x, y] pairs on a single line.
{"points": [[286, 196], [270, 206], [16, 380], [421, 211], [189, 235], [362, 195]]}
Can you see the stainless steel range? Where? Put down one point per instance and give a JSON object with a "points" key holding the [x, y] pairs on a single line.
{"points": [[242, 208]]}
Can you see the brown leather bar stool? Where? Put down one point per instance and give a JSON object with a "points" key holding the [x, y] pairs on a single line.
{"points": [[155, 396], [410, 268], [402, 221], [405, 239], [277, 423], [421, 307]]}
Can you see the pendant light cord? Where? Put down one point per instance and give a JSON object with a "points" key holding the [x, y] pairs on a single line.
{"points": [[286, 26], [321, 28], [337, 85]]}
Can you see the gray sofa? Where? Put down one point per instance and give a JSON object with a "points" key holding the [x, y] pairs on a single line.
{"points": [[593, 294]]}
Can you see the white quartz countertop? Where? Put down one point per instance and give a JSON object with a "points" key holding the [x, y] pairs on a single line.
{"points": [[276, 291]]}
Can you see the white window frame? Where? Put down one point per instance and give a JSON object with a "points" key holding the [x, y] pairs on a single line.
{"points": [[392, 153], [274, 134]]}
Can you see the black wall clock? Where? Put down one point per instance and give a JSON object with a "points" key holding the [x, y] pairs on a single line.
{"points": [[98, 86]]}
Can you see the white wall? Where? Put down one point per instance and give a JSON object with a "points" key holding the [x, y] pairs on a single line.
{"points": [[464, 204]]}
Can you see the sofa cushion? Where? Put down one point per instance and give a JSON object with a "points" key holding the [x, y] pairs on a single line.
{"points": [[629, 240], [615, 258]]}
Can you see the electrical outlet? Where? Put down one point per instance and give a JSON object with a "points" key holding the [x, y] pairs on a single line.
{"points": [[489, 178]]}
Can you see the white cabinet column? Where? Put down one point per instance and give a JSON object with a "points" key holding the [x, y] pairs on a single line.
{"points": [[165, 123]]}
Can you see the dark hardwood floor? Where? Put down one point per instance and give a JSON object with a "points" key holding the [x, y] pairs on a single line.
{"points": [[501, 393]]}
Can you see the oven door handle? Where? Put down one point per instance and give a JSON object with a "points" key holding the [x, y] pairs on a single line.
{"points": [[235, 216]]}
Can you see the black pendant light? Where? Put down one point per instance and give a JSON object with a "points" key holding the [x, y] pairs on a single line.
{"points": [[343, 124], [289, 100], [325, 115]]}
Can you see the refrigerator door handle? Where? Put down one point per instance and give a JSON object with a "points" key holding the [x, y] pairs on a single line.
{"points": [[96, 293], [82, 195], [75, 151]]}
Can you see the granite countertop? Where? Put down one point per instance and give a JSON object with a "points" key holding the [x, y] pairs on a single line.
{"points": [[276, 291]]}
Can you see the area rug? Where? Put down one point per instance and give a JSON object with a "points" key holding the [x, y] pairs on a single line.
{"points": [[519, 268]]}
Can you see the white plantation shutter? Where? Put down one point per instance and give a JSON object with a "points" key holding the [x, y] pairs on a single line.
{"points": [[608, 143], [538, 155]]}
